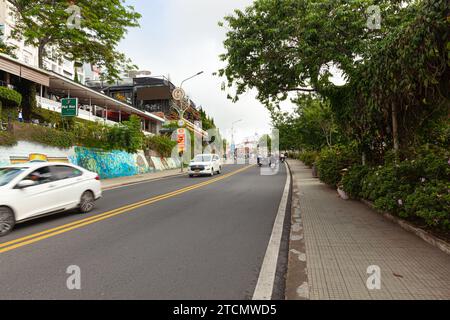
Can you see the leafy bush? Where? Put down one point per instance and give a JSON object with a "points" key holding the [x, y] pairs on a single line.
{"points": [[431, 202], [7, 139], [332, 161], [10, 97], [352, 180], [126, 136], [308, 157], [161, 144], [91, 135], [44, 135], [416, 188]]}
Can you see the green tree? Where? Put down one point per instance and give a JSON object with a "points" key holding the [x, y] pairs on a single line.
{"points": [[47, 25], [6, 48], [397, 77], [283, 46]]}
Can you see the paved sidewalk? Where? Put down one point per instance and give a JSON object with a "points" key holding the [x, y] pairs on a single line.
{"points": [[343, 238], [122, 181]]}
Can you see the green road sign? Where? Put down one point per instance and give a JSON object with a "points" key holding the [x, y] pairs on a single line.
{"points": [[69, 107]]}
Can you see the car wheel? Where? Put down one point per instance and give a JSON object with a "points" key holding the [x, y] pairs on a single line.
{"points": [[191, 175], [7, 221], [219, 171], [212, 172], [87, 202]]}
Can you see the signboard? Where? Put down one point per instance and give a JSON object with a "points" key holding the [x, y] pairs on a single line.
{"points": [[69, 107], [178, 94], [181, 139], [37, 157]]}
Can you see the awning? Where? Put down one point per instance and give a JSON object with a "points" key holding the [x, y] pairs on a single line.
{"points": [[87, 96], [19, 69]]}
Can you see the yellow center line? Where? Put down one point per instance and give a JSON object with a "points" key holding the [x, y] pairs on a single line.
{"points": [[20, 242]]}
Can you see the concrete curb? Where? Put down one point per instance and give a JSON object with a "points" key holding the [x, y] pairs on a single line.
{"points": [[424, 235], [267, 276], [140, 181], [297, 286]]}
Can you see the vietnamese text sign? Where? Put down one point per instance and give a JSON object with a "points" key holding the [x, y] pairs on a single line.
{"points": [[69, 107]]}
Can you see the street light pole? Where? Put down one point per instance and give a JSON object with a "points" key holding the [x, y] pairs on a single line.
{"points": [[181, 110]]}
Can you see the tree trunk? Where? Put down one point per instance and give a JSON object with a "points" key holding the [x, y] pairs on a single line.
{"points": [[41, 55], [395, 130]]}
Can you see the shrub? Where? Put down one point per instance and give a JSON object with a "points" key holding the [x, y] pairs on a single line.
{"points": [[10, 97], [161, 144], [7, 139], [308, 157], [332, 161], [44, 135], [91, 135], [416, 188], [352, 180], [431, 202]]}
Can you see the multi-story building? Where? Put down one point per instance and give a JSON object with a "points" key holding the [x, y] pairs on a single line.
{"points": [[29, 54], [149, 94]]}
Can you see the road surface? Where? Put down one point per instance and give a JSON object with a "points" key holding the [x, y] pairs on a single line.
{"points": [[176, 238]]}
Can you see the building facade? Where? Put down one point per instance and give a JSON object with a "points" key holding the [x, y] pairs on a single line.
{"points": [[29, 54], [149, 94]]}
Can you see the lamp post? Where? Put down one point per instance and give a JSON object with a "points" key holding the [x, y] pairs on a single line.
{"points": [[181, 110]]}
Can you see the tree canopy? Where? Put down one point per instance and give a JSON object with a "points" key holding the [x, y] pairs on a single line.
{"points": [[50, 26], [397, 77]]}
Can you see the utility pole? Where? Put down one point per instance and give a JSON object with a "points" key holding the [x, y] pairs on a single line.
{"points": [[178, 95]]}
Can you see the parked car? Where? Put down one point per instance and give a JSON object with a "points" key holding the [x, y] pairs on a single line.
{"points": [[205, 164], [36, 189]]}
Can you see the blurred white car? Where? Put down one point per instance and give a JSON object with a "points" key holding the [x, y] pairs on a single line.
{"points": [[205, 164], [35, 189]]}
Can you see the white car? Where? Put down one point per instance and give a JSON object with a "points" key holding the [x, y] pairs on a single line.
{"points": [[205, 164], [35, 189]]}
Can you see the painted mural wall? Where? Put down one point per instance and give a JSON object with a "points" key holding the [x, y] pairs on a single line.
{"points": [[108, 164]]}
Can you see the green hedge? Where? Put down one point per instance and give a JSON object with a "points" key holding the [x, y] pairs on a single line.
{"points": [[332, 161], [308, 157], [9, 97], [352, 180], [161, 144], [413, 189], [7, 139], [44, 135]]}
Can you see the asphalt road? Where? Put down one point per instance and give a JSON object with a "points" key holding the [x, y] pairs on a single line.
{"points": [[205, 242]]}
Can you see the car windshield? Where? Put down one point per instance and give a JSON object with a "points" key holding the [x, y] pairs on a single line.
{"points": [[202, 158], [8, 174]]}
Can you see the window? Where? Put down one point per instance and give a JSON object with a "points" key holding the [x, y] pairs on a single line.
{"points": [[65, 172], [202, 158], [8, 174], [40, 176]]}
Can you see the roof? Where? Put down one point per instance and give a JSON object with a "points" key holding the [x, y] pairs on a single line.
{"points": [[88, 95], [85, 94]]}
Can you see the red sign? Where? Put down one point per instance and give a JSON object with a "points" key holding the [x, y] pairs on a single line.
{"points": [[181, 139]]}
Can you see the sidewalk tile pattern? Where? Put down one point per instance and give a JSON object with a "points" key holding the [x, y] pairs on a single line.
{"points": [[344, 238]]}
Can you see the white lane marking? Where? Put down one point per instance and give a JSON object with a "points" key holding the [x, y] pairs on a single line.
{"points": [[266, 280]]}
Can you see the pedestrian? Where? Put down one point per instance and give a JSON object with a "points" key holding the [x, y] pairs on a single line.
{"points": [[20, 115]]}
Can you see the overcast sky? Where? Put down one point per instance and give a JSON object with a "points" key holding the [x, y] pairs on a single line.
{"points": [[180, 38]]}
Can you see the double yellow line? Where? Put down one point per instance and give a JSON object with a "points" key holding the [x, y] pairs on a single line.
{"points": [[20, 242]]}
